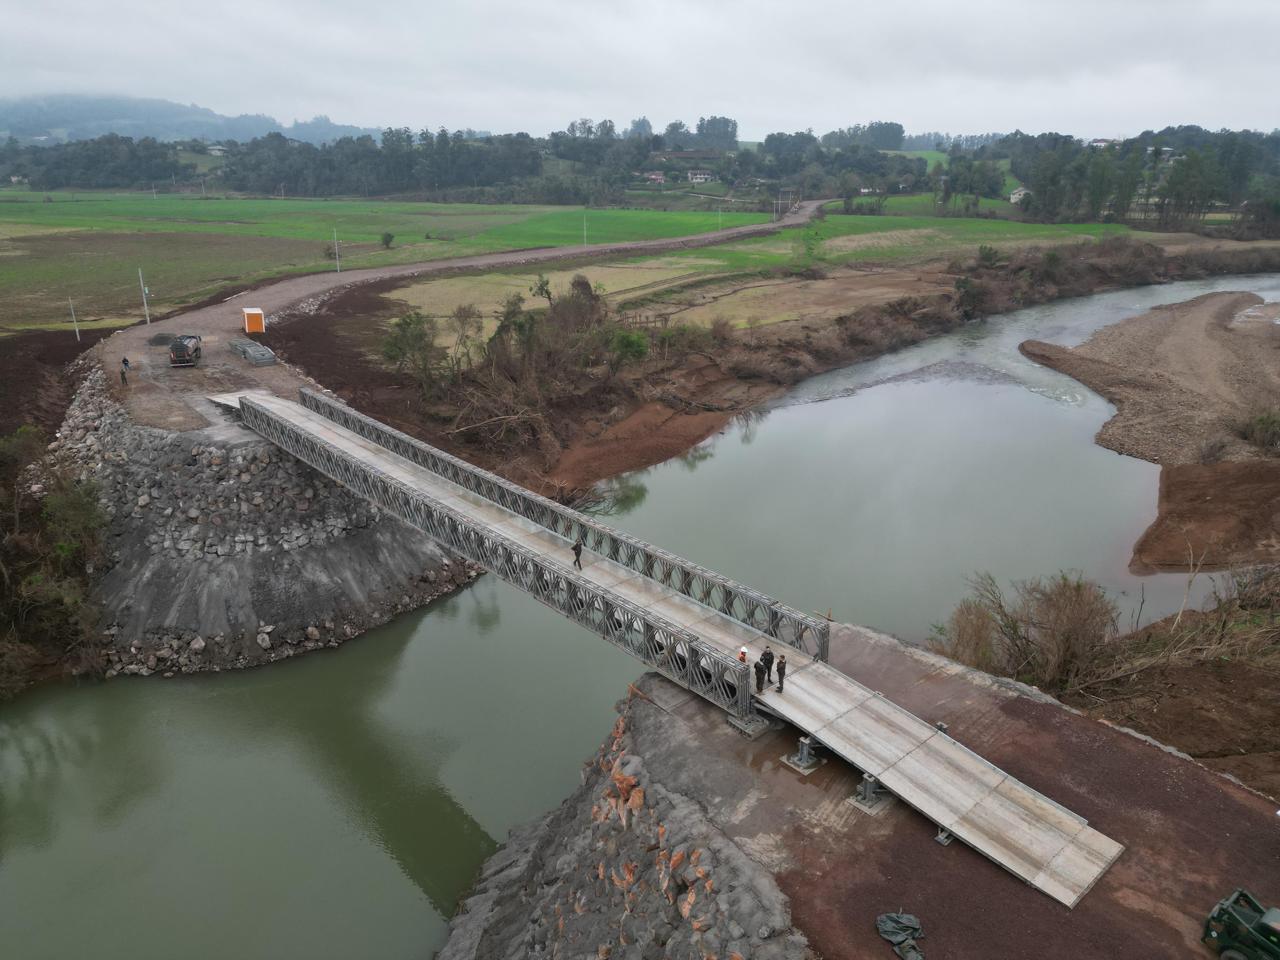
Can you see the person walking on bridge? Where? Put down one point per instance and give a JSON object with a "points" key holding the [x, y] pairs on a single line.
{"points": [[759, 669], [782, 670], [767, 659], [577, 552]]}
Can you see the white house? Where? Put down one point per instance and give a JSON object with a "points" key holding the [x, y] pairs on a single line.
{"points": [[1017, 195], [700, 176]]}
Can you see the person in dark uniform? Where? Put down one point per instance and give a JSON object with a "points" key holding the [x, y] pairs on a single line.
{"points": [[124, 371], [782, 670], [759, 668], [577, 553], [767, 659]]}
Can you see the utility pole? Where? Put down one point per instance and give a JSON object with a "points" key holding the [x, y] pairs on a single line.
{"points": [[584, 226], [73, 319], [145, 309], [202, 193], [719, 218], [336, 258]]}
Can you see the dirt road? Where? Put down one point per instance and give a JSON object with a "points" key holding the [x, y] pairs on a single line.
{"points": [[158, 395], [1182, 377]]}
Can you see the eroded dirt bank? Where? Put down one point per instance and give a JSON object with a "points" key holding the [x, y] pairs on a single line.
{"points": [[664, 406], [1184, 378]]}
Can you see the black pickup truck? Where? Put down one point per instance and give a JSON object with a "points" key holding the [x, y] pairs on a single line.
{"points": [[184, 350]]}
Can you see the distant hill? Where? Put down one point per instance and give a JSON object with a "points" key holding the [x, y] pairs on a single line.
{"points": [[63, 117]]}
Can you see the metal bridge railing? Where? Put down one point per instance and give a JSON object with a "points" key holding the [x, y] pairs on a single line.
{"points": [[738, 602], [675, 653]]}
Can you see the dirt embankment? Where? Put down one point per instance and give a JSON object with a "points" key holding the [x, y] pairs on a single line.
{"points": [[663, 407], [1184, 377]]}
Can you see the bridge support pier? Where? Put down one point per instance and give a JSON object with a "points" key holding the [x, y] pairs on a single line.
{"points": [[753, 726], [871, 797]]}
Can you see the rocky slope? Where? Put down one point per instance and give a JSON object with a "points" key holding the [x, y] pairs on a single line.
{"points": [[630, 866], [225, 552]]}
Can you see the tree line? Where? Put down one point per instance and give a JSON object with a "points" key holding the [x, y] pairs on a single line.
{"points": [[1174, 176]]}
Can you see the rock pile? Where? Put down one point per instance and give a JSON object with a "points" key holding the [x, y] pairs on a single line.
{"points": [[626, 868], [227, 552], [193, 500]]}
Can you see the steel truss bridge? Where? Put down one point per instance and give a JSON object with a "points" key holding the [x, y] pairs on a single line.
{"points": [[687, 623]]}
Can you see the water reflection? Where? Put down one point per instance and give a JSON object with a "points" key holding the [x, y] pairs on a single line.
{"points": [[616, 497], [389, 785], [879, 488]]}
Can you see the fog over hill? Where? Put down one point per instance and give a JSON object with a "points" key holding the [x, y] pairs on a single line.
{"points": [[62, 117]]}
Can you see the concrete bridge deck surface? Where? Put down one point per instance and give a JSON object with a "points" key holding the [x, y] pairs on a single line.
{"points": [[1028, 834]]}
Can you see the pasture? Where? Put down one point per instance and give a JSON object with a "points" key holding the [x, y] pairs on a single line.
{"points": [[89, 246], [930, 157], [748, 282]]}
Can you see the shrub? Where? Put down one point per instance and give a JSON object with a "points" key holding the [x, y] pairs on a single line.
{"points": [[1263, 430], [1050, 633], [682, 338], [627, 346], [386, 240], [721, 330], [1212, 450]]}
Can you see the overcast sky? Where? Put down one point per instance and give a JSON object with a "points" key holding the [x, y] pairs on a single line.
{"points": [[1086, 67]]}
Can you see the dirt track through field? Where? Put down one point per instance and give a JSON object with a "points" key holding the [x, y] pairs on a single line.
{"points": [[156, 393]]}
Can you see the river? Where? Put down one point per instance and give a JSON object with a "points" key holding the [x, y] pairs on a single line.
{"points": [[337, 805]]}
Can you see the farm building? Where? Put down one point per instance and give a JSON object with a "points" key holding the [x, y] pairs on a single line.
{"points": [[1018, 195], [701, 176], [656, 176]]}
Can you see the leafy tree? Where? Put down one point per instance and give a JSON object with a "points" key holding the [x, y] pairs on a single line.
{"points": [[411, 345], [466, 326], [386, 240], [677, 136], [627, 346], [542, 288], [717, 133], [74, 517], [640, 129], [18, 451]]}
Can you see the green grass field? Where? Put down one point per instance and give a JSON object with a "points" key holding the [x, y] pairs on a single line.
{"points": [[1011, 183], [848, 239], [89, 246], [922, 205]]}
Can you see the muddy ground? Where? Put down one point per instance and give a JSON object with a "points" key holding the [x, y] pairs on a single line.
{"points": [[34, 387], [1184, 378], [1224, 714], [1188, 837]]}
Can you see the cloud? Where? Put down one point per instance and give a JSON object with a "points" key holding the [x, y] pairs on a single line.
{"points": [[1085, 67]]}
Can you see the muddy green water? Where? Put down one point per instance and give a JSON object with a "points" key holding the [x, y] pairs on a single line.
{"points": [[339, 804]]}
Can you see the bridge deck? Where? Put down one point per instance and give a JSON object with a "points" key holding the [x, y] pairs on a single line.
{"points": [[1046, 845]]}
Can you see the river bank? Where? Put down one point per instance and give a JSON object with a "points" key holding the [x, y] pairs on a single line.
{"points": [[1184, 379], [661, 408]]}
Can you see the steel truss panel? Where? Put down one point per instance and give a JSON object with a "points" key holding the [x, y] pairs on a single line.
{"points": [[675, 653], [746, 606]]}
